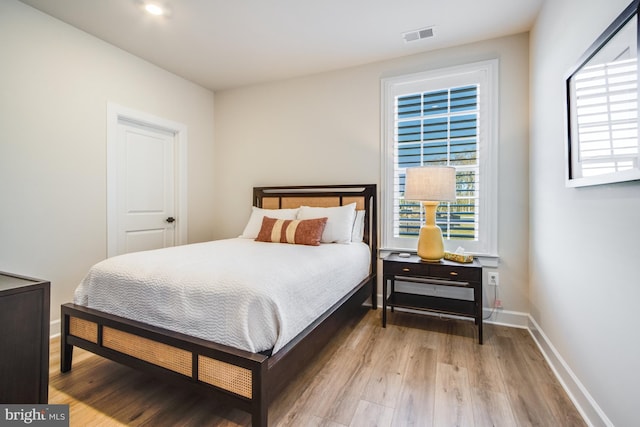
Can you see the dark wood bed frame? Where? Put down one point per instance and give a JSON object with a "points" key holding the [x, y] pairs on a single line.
{"points": [[248, 381]]}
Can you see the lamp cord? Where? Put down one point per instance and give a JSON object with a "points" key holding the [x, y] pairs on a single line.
{"points": [[493, 309]]}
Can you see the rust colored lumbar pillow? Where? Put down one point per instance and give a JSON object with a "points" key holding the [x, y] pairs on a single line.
{"points": [[295, 231]]}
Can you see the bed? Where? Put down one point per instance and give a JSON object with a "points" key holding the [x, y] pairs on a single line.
{"points": [[242, 370]]}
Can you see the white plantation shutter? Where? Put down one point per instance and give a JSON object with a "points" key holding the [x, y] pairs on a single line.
{"points": [[607, 117], [438, 128], [442, 118]]}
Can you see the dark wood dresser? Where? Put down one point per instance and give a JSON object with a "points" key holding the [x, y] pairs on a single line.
{"points": [[24, 339]]}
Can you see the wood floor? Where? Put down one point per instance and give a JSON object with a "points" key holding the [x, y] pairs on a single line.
{"points": [[419, 371]]}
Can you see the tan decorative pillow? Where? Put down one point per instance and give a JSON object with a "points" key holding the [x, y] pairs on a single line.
{"points": [[295, 231]]}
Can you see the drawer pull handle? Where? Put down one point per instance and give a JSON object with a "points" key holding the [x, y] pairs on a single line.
{"points": [[453, 273], [406, 269]]}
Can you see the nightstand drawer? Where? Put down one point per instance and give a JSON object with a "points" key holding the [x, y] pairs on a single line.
{"points": [[462, 274], [406, 269]]}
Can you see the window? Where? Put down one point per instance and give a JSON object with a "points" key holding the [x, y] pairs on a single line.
{"points": [[443, 117]]}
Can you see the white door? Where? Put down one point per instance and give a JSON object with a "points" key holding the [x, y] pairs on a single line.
{"points": [[146, 180]]}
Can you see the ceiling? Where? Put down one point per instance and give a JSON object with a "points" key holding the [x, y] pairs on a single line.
{"points": [[222, 44]]}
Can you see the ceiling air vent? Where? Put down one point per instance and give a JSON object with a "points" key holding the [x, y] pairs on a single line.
{"points": [[414, 35]]}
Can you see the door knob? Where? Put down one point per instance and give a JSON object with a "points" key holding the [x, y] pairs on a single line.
{"points": [[170, 219]]}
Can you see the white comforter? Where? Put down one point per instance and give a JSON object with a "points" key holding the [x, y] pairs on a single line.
{"points": [[250, 295]]}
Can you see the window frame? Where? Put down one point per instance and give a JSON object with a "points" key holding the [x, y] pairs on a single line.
{"points": [[484, 73]]}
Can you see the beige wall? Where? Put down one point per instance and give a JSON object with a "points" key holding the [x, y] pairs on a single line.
{"points": [[325, 129], [55, 84], [584, 268]]}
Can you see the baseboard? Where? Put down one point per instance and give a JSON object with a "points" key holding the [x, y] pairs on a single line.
{"points": [[54, 328], [586, 405], [499, 316]]}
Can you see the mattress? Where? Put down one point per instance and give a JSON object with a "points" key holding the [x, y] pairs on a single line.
{"points": [[249, 295]]}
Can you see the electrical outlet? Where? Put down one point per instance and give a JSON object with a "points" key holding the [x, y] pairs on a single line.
{"points": [[494, 278]]}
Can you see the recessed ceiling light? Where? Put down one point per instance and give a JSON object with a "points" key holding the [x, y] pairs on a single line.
{"points": [[154, 9]]}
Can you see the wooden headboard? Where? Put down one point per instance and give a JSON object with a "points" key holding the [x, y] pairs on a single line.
{"points": [[326, 196]]}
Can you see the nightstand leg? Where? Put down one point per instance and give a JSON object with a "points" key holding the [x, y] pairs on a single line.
{"points": [[479, 312], [384, 302], [393, 289]]}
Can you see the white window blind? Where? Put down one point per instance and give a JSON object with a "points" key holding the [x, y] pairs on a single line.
{"points": [[444, 117]]}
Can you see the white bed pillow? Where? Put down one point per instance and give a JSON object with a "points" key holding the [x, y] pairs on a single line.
{"points": [[357, 234], [252, 228], [340, 221]]}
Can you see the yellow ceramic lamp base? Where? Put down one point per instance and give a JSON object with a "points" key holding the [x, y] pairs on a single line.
{"points": [[430, 243]]}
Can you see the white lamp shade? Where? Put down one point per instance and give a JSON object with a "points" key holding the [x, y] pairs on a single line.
{"points": [[431, 183]]}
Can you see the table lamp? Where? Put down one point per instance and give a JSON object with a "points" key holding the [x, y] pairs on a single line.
{"points": [[430, 185]]}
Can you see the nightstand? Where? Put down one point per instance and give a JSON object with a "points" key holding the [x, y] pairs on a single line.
{"points": [[443, 273]]}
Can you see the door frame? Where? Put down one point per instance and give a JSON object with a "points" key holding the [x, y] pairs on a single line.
{"points": [[117, 113]]}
